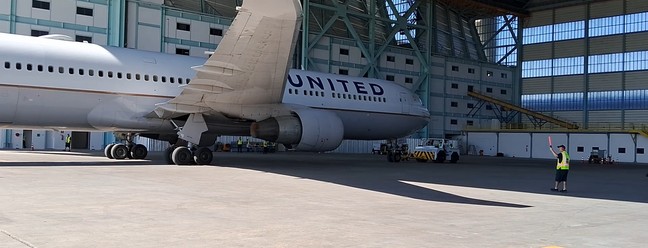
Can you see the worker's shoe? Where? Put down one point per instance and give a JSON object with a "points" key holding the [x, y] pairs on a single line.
{"points": [[552, 189], [563, 190]]}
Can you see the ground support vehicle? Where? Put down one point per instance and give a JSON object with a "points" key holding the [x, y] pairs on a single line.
{"points": [[437, 150]]}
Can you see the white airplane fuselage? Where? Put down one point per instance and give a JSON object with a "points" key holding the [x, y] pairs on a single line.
{"points": [[66, 85]]}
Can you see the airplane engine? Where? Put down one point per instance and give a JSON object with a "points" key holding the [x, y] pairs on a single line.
{"points": [[309, 129]]}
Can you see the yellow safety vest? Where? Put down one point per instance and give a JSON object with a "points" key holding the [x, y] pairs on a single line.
{"points": [[564, 164], [68, 139], [240, 142]]}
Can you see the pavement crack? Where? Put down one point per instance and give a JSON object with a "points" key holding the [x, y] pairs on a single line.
{"points": [[14, 237]]}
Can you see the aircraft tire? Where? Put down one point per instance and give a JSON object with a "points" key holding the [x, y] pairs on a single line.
{"points": [[119, 151], [182, 156], [168, 154], [203, 156], [108, 151], [138, 151]]}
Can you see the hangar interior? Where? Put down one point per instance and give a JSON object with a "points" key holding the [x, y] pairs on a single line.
{"points": [[578, 61]]}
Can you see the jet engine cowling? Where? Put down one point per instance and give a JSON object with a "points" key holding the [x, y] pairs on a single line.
{"points": [[308, 129]]}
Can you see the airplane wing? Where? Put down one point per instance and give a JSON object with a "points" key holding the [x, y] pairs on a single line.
{"points": [[249, 66]]}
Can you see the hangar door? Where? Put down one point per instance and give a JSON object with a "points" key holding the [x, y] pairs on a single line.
{"points": [[80, 140]]}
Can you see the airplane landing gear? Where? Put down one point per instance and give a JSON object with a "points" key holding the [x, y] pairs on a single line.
{"points": [[182, 155], [128, 149]]}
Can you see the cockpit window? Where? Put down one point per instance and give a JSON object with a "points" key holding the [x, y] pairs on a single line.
{"points": [[417, 99]]}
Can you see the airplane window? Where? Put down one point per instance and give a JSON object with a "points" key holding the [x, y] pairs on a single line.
{"points": [[128, 76], [110, 74], [374, 99], [7, 65], [310, 93], [364, 97], [354, 97], [18, 66], [119, 75], [384, 99], [100, 73], [333, 95], [163, 79], [81, 71], [155, 78], [50, 68], [343, 96], [71, 71], [171, 80], [137, 77], [146, 77], [180, 80], [91, 72], [29, 67], [40, 67], [316, 93], [188, 80], [322, 94], [61, 69], [338, 95], [304, 92], [289, 91]]}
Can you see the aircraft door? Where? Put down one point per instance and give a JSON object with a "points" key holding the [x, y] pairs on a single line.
{"points": [[404, 99], [8, 104]]}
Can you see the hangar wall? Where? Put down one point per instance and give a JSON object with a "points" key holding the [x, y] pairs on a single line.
{"points": [[622, 147]]}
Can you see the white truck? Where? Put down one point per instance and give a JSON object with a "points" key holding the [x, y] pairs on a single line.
{"points": [[437, 150]]}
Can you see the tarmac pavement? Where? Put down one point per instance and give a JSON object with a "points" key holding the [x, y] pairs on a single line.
{"points": [[81, 199]]}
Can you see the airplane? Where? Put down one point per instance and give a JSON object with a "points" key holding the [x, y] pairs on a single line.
{"points": [[245, 88]]}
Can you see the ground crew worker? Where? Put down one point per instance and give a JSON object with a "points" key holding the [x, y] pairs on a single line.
{"points": [[248, 146], [265, 147], [68, 143], [239, 144], [562, 168]]}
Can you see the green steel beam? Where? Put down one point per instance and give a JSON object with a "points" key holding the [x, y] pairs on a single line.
{"points": [[12, 17], [116, 22]]}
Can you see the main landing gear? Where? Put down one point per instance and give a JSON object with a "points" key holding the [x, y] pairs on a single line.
{"points": [[128, 149], [182, 155], [191, 147]]}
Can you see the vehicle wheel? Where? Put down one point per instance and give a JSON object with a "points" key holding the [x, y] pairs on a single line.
{"points": [[119, 151], [421, 160], [203, 156], [390, 156], [182, 156], [454, 157], [397, 157], [168, 154], [108, 151], [440, 157], [138, 151]]}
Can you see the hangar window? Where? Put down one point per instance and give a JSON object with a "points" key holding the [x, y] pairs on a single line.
{"points": [[503, 92], [183, 26], [470, 123], [344, 51], [454, 86], [595, 148], [471, 70], [489, 90], [40, 4], [409, 61], [40, 67], [454, 104], [504, 75], [7, 65], [216, 31], [409, 80], [453, 122], [18, 66], [489, 107], [489, 73], [471, 88], [455, 68], [470, 105], [343, 72], [390, 78], [391, 58], [81, 38], [580, 149], [622, 150], [182, 51], [37, 33], [640, 151], [84, 11]]}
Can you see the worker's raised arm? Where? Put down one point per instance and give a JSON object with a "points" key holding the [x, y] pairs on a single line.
{"points": [[552, 151]]}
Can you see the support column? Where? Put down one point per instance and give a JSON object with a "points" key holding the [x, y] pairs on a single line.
{"points": [[116, 22]]}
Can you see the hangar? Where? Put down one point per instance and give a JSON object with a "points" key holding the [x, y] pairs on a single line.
{"points": [[576, 62]]}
